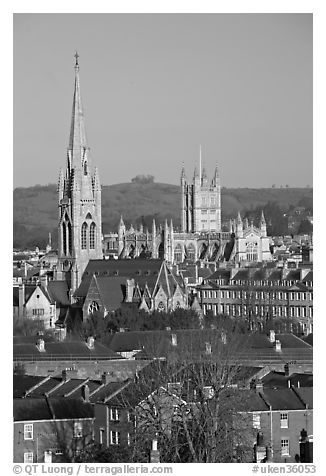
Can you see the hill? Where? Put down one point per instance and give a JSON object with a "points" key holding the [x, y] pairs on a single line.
{"points": [[36, 213]]}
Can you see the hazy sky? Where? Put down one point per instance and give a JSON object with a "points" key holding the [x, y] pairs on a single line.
{"points": [[154, 87]]}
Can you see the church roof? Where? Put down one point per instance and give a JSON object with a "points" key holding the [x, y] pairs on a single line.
{"points": [[59, 292]]}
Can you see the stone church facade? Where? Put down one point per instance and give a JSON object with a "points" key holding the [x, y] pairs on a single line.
{"points": [[79, 201], [200, 237]]}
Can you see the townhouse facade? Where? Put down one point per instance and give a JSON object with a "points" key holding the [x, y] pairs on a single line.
{"points": [[260, 294], [51, 430]]}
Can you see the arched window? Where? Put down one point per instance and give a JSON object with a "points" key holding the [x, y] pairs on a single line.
{"points": [[161, 306], [93, 307], [132, 251], [64, 239], [92, 236], [84, 236], [69, 238], [191, 252], [85, 167], [178, 254], [252, 252]]}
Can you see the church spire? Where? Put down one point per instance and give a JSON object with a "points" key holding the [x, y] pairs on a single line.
{"points": [[77, 139]]}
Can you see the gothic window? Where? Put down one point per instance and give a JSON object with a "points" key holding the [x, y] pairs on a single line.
{"points": [[85, 167], [88, 216], [69, 238], [191, 252], [93, 307], [252, 252], [178, 254], [84, 236], [132, 251], [92, 236], [161, 306], [64, 239], [203, 251]]}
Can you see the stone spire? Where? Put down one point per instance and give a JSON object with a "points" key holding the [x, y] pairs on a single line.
{"points": [[183, 175], [216, 177], [204, 178], [262, 224], [77, 138]]}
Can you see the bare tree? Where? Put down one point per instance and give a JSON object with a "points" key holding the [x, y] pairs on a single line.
{"points": [[190, 401]]}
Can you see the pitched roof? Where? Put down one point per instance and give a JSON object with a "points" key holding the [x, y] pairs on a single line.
{"points": [[126, 268], [64, 350], [22, 383], [36, 409], [283, 399], [59, 292]]}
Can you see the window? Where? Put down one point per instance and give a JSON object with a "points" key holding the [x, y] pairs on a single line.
{"points": [[93, 307], [256, 420], [84, 236], [38, 312], [284, 420], [78, 429], [129, 416], [28, 431], [178, 254], [28, 457], [128, 439], [92, 236], [285, 447], [101, 436], [114, 414], [114, 437]]}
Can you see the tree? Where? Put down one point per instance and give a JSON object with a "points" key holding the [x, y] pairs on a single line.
{"points": [[189, 403], [305, 228]]}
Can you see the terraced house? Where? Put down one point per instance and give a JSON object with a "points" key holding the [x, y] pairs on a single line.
{"points": [[260, 293]]}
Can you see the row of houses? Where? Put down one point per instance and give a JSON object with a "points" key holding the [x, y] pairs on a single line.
{"points": [[252, 292], [56, 419]]}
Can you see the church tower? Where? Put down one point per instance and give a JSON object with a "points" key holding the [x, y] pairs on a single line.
{"points": [[79, 190], [200, 202]]}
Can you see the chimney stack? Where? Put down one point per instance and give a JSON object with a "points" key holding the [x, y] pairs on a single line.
{"points": [[40, 345], [21, 300], [272, 336], [85, 393], [278, 346], [105, 378], [154, 454]]}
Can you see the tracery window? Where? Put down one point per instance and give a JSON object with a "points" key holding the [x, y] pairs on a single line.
{"points": [[178, 254], [92, 236], [84, 236]]}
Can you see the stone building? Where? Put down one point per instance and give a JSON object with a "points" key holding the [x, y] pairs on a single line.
{"points": [[79, 197], [200, 237]]}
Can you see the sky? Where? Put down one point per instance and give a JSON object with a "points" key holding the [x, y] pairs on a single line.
{"points": [[157, 86]]}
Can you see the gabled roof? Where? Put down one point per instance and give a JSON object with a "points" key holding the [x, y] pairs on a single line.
{"points": [[279, 380], [59, 292], [22, 383], [36, 409], [64, 351], [284, 399], [123, 268]]}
